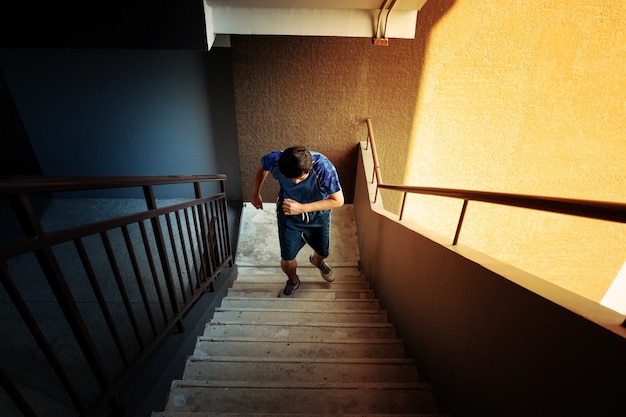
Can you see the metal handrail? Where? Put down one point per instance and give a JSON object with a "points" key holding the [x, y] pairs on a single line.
{"points": [[602, 210], [176, 252], [376, 175]]}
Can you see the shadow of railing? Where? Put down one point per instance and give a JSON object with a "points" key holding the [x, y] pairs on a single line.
{"points": [[96, 272]]}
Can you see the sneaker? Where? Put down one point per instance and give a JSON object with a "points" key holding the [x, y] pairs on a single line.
{"points": [[289, 289], [325, 270]]}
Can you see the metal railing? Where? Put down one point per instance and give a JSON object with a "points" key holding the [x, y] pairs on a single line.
{"points": [[93, 301], [610, 211]]}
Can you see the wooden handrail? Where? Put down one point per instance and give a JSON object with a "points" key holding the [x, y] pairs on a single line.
{"points": [[371, 142], [602, 210]]}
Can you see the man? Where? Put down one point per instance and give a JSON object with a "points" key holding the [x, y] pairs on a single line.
{"points": [[309, 189]]}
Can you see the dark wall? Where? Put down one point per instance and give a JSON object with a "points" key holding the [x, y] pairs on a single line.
{"points": [[126, 112], [117, 88], [17, 156]]}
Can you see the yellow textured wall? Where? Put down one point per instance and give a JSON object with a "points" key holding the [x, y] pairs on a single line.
{"points": [[527, 97], [514, 96]]}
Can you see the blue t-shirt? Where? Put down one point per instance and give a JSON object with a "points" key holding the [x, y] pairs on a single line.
{"points": [[321, 182]]}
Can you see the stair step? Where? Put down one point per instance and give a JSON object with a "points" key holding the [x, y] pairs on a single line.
{"points": [[294, 396], [302, 293], [218, 414], [273, 290], [306, 370], [300, 332], [299, 304], [293, 316], [304, 270], [266, 349], [345, 283]]}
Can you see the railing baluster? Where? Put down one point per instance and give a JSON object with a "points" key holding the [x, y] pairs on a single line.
{"points": [[197, 271], [170, 232], [402, 208], [34, 240], [139, 280], [106, 312], [225, 226], [40, 338], [162, 251], [184, 249], [153, 271], [460, 224], [121, 287], [67, 303]]}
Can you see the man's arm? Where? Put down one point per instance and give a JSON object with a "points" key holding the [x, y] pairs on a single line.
{"points": [[292, 207], [259, 179]]}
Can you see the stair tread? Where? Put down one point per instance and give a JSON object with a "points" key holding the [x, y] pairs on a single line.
{"points": [[381, 361], [269, 397], [303, 371], [231, 299], [223, 414], [296, 350], [286, 316], [301, 304], [209, 338], [299, 385]]}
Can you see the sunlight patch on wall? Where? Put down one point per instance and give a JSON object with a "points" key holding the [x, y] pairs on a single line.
{"points": [[615, 297]]}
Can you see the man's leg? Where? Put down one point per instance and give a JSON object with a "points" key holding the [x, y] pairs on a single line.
{"points": [[319, 239], [289, 268], [290, 244], [317, 258]]}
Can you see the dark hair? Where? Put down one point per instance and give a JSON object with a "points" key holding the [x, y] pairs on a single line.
{"points": [[295, 162]]}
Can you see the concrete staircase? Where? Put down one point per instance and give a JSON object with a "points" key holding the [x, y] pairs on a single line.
{"points": [[328, 351]]}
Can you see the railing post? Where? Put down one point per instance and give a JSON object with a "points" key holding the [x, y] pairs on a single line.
{"points": [[225, 230], [160, 243], [458, 227], [402, 208]]}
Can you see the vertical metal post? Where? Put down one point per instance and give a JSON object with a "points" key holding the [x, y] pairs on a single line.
{"points": [[402, 208], [458, 227], [160, 243]]}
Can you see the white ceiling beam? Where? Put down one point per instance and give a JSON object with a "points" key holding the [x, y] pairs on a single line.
{"points": [[348, 18], [310, 22]]}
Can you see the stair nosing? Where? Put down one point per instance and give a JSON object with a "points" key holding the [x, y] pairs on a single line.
{"points": [[310, 324], [394, 341], [378, 386], [278, 299], [280, 359], [296, 310]]}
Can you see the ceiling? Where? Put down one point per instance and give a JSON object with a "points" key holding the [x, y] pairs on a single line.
{"points": [[376, 19]]}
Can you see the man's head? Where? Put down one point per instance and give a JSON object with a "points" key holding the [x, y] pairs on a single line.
{"points": [[295, 162]]}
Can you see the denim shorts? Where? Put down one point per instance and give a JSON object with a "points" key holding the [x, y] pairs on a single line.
{"points": [[308, 228]]}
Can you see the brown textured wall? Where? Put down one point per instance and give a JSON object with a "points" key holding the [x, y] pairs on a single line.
{"points": [[317, 92]]}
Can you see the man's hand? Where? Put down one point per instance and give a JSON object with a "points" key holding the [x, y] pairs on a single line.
{"points": [[257, 201], [292, 207], [259, 179]]}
